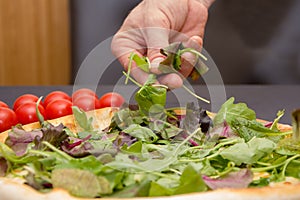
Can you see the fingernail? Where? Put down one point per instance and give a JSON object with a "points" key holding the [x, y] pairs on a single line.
{"points": [[155, 64]]}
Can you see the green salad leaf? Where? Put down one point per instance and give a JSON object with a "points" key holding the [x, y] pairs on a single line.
{"points": [[230, 111], [250, 152]]}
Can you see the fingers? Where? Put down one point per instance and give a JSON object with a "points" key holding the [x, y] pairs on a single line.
{"points": [[172, 81], [122, 46], [156, 38], [189, 60], [207, 3]]}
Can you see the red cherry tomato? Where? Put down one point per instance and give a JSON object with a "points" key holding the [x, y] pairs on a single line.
{"points": [[26, 113], [2, 104], [59, 108], [86, 103], [83, 92], [55, 95], [8, 118], [111, 99], [26, 98]]}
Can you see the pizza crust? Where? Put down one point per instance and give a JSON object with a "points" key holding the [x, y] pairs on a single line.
{"points": [[24, 192], [14, 190], [102, 118]]}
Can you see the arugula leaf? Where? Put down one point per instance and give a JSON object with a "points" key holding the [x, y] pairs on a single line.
{"points": [[250, 152], [125, 117], [7, 153], [141, 133], [190, 181], [172, 63], [142, 63], [82, 119], [151, 97], [134, 190], [39, 173], [157, 190], [89, 163], [135, 148], [230, 111], [80, 183], [275, 122], [293, 169], [173, 59], [248, 129]]}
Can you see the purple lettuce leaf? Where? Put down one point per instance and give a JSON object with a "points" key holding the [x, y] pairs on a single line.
{"points": [[223, 130], [123, 139], [55, 135], [239, 179], [195, 118], [18, 139], [77, 147]]}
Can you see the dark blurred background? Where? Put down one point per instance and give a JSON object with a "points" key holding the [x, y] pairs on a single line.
{"points": [[45, 42], [251, 41]]}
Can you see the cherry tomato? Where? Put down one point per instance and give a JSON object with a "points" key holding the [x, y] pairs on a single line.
{"points": [[26, 113], [26, 98], [58, 108], [111, 99], [86, 103], [83, 92], [2, 104], [8, 118], [54, 96]]}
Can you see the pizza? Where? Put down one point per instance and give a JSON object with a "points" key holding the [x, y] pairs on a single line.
{"points": [[185, 153]]}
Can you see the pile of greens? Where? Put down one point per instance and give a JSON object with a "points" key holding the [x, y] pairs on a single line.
{"points": [[157, 153]]}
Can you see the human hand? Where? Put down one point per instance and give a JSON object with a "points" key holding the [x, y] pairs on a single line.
{"points": [[155, 24]]}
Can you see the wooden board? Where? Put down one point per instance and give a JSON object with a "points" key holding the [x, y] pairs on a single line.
{"points": [[34, 42]]}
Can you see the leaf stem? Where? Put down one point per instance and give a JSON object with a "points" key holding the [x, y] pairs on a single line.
{"points": [[285, 163], [195, 95], [186, 140], [132, 80], [129, 68], [61, 153], [192, 51]]}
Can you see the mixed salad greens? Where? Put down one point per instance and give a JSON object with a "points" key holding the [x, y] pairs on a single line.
{"points": [[149, 150], [157, 154]]}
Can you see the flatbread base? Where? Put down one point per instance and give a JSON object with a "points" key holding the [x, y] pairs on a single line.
{"points": [[11, 189]]}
